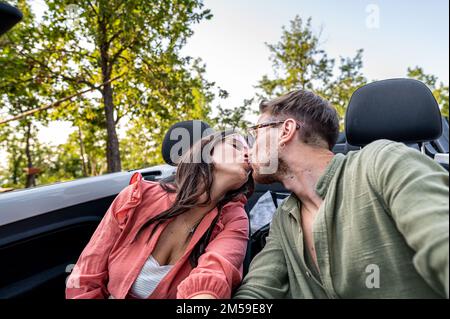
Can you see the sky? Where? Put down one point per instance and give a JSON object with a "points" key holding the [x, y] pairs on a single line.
{"points": [[395, 35], [408, 33]]}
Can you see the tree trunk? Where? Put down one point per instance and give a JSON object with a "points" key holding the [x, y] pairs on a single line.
{"points": [[112, 142], [90, 166], [83, 159], [31, 180], [17, 161]]}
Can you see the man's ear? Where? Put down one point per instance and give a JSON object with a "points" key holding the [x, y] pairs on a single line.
{"points": [[288, 131]]}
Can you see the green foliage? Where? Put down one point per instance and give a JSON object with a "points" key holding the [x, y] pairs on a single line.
{"points": [[81, 45], [299, 62], [340, 89], [11, 174], [95, 41], [21, 90], [233, 118]]}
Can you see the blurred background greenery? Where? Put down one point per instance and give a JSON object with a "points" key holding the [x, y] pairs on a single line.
{"points": [[122, 63]]}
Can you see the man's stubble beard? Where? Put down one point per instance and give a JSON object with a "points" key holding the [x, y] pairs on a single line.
{"points": [[276, 177]]}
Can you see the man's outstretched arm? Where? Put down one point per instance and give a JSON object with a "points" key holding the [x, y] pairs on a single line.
{"points": [[267, 277], [415, 191]]}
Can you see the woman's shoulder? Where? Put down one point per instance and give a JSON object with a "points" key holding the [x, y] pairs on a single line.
{"points": [[234, 210], [140, 186], [134, 194], [137, 187]]}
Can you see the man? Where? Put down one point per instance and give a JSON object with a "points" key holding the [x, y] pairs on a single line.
{"points": [[369, 224]]}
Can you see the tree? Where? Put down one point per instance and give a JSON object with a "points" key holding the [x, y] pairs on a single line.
{"points": [[128, 53], [339, 90], [11, 174], [22, 91], [94, 41], [299, 62], [190, 99], [233, 118]]}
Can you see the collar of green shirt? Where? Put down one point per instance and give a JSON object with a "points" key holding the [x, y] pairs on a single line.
{"points": [[291, 205]]}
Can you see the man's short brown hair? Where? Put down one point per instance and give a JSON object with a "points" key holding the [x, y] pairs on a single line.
{"points": [[320, 120]]}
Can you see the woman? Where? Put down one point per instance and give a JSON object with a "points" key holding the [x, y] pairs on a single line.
{"points": [[182, 240]]}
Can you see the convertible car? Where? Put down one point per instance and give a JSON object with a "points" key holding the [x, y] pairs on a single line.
{"points": [[44, 229]]}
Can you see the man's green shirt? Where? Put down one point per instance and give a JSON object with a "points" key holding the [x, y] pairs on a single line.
{"points": [[382, 231]]}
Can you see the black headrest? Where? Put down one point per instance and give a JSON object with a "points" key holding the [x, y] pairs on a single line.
{"points": [[9, 16], [181, 137], [402, 110]]}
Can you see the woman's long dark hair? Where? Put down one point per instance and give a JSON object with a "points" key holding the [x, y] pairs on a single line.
{"points": [[194, 178]]}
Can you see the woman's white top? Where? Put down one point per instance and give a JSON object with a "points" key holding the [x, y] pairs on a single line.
{"points": [[150, 276]]}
